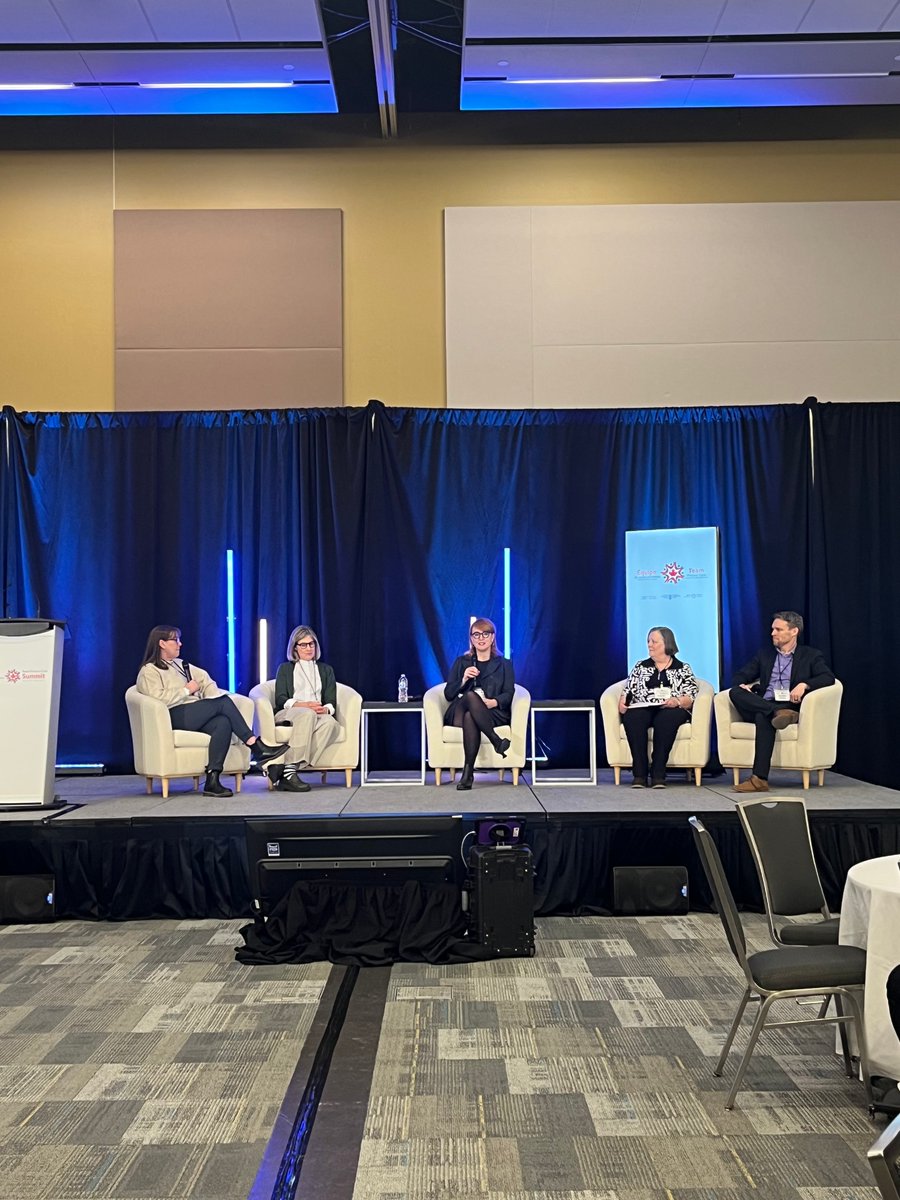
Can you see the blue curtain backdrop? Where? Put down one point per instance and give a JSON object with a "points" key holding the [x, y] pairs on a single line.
{"points": [[384, 528]]}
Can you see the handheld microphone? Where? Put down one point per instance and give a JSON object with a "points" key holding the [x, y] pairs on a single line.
{"points": [[186, 667]]}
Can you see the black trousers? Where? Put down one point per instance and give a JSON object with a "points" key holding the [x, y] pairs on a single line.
{"points": [[665, 723], [219, 718], [759, 712]]}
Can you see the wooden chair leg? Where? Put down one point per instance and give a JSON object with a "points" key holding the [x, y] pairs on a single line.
{"points": [[806, 781], [238, 780], [196, 783], [269, 784], [617, 775], [502, 774], [348, 776], [149, 785], [437, 776], [324, 776], [453, 774], [698, 775], [736, 775], [164, 783], [822, 777], [515, 773]]}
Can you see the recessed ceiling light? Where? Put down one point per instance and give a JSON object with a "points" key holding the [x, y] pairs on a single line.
{"points": [[596, 79], [502, 62], [288, 67], [35, 87], [218, 84]]}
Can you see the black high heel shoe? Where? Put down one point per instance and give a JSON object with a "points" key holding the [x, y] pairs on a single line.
{"points": [[466, 779], [503, 744]]}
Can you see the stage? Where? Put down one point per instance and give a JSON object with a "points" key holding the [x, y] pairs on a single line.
{"points": [[120, 854]]}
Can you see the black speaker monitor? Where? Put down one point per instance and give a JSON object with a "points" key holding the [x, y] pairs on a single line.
{"points": [[27, 899], [650, 891]]}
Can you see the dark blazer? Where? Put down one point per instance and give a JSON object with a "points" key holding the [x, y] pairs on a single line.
{"points": [[808, 666], [284, 685], [496, 679]]}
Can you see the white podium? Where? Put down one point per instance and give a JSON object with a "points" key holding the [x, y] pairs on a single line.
{"points": [[31, 653]]}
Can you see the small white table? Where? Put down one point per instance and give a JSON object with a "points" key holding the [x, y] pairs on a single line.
{"points": [[870, 919], [581, 706], [410, 708]]}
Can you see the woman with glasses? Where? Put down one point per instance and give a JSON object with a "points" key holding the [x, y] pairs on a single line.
{"points": [[195, 703], [659, 695], [480, 690], [305, 699]]}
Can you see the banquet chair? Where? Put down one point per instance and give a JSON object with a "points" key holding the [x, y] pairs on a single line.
{"points": [[777, 830], [445, 743], [809, 745], [341, 755], [884, 1159], [691, 748], [784, 973], [164, 753]]}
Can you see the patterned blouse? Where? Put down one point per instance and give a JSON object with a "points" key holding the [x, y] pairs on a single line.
{"points": [[645, 676]]}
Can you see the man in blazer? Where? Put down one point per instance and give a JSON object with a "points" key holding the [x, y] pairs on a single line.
{"points": [[769, 690]]}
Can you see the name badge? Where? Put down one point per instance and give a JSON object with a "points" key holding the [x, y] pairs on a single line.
{"points": [[661, 693], [782, 694]]}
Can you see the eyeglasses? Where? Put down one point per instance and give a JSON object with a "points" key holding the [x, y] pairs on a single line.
{"points": [[176, 639], [304, 645], [481, 637]]}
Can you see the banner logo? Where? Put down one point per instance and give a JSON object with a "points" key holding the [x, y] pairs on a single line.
{"points": [[673, 573], [13, 676]]}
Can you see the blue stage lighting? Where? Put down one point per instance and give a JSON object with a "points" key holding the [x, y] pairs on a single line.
{"points": [[507, 600], [229, 573]]}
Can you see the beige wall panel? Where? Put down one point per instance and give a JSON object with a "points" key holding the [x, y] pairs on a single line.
{"points": [[228, 279], [149, 380], [733, 373], [489, 308], [684, 273]]}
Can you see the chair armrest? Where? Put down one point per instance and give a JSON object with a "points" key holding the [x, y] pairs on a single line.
{"points": [[818, 723], [263, 713], [151, 734], [611, 717]]}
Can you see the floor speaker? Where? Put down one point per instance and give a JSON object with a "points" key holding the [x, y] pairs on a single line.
{"points": [[27, 899], [649, 891]]}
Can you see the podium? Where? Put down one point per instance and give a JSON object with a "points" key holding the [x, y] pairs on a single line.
{"points": [[31, 653]]}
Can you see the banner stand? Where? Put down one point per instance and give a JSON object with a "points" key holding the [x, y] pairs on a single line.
{"points": [[31, 653]]}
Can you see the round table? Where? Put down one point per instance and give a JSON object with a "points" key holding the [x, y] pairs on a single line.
{"points": [[870, 919]]}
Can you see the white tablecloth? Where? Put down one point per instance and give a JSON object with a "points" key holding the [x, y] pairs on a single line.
{"points": [[870, 919]]}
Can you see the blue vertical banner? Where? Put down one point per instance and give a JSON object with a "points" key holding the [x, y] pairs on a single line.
{"points": [[672, 578]]}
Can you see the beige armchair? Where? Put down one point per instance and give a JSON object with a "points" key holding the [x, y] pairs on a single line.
{"points": [[164, 753], [810, 745], [691, 749], [445, 744], [341, 755]]}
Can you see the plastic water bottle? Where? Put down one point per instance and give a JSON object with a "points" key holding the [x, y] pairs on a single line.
{"points": [[403, 689]]}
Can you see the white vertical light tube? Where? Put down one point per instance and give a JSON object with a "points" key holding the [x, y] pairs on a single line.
{"points": [[263, 650], [507, 595], [232, 665]]}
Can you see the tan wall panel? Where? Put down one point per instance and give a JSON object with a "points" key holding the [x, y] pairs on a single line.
{"points": [[228, 278], [149, 380]]}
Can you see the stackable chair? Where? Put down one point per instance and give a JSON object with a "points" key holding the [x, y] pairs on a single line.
{"points": [[691, 748], [810, 745], [884, 1159], [784, 973], [164, 753], [777, 830], [445, 742], [341, 755]]}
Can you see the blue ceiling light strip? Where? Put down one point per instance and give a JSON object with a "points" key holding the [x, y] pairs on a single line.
{"points": [[229, 576], [507, 598]]}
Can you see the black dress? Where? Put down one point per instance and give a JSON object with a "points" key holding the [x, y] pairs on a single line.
{"points": [[496, 679]]}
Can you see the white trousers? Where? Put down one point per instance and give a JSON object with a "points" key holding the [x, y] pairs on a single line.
{"points": [[311, 732]]}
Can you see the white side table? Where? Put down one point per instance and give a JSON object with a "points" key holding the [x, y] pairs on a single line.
{"points": [[556, 706], [411, 708]]}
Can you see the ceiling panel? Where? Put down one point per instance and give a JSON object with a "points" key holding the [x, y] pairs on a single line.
{"points": [[846, 16], [104, 20], [34, 22], [193, 21], [278, 20], [41, 66], [570, 62], [538, 18], [800, 58], [762, 16], [205, 66], [674, 18]]}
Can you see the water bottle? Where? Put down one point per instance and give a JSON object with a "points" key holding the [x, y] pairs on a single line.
{"points": [[403, 689]]}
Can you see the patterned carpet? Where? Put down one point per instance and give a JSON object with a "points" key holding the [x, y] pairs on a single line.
{"points": [[586, 1074], [140, 1060]]}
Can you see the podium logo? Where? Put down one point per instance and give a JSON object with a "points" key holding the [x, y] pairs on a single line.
{"points": [[672, 573], [14, 676]]}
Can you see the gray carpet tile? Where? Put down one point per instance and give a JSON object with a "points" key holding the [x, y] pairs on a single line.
{"points": [[586, 1072]]}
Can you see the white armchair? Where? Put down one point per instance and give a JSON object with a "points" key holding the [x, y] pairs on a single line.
{"points": [[445, 743], [341, 755], [164, 753], [691, 748], [810, 745]]}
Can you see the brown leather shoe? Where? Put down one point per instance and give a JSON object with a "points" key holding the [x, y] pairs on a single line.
{"points": [[753, 784], [784, 717]]}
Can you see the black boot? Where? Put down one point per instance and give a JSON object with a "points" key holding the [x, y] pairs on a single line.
{"points": [[501, 746], [466, 779], [260, 752], [213, 787], [292, 783]]}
